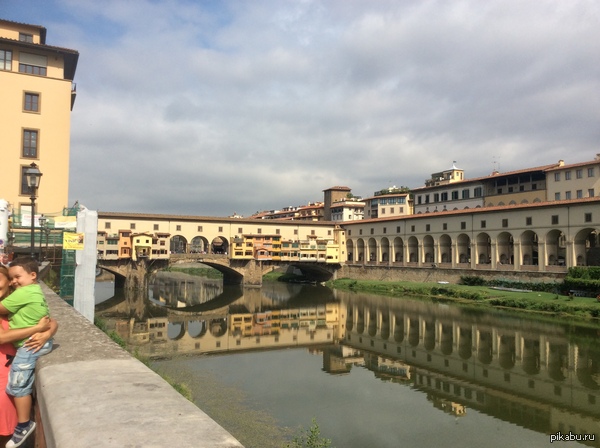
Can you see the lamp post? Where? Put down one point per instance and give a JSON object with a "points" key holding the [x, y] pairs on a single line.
{"points": [[33, 176], [42, 222]]}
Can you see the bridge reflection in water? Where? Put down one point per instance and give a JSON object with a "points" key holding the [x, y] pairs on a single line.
{"points": [[539, 375]]}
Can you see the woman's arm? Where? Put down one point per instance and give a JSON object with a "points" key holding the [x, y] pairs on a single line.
{"points": [[7, 336], [37, 340]]}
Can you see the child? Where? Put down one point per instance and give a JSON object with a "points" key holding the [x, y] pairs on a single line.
{"points": [[25, 306]]}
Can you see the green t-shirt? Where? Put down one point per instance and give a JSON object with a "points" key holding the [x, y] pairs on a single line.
{"points": [[27, 306]]}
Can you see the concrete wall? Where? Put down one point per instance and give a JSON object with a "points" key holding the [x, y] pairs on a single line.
{"points": [[90, 392]]}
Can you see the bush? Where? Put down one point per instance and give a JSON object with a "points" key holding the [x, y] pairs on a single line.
{"points": [[310, 438]]}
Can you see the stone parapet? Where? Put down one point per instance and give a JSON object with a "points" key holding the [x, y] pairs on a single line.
{"points": [[91, 392]]}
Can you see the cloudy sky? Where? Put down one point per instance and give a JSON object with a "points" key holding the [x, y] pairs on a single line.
{"points": [[215, 107]]}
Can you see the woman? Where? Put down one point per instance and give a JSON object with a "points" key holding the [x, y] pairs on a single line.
{"points": [[43, 331]]}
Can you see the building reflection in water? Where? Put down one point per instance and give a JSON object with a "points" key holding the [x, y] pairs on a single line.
{"points": [[539, 375]]}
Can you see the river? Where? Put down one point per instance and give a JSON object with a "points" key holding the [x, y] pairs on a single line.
{"points": [[372, 371]]}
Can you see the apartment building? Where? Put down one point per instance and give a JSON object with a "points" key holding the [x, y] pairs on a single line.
{"points": [[388, 202], [37, 91], [452, 191]]}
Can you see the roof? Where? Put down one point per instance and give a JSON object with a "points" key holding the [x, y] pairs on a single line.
{"points": [[575, 165], [42, 30], [338, 188]]}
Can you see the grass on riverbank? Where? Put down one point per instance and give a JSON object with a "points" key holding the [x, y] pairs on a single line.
{"points": [[581, 307]]}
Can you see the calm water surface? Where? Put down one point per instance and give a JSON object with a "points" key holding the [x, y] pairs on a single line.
{"points": [[373, 371]]}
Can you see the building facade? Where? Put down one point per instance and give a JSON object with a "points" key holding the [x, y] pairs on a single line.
{"points": [[37, 91]]}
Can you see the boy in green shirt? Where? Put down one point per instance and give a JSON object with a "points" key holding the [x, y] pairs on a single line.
{"points": [[25, 307]]}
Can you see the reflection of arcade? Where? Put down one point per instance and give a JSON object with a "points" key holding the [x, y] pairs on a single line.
{"points": [[533, 374]]}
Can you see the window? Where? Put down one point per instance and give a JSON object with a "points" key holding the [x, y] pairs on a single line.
{"points": [[445, 226], [178, 227], [23, 37], [412, 228], [259, 231], [567, 195], [579, 194], [199, 228], [590, 170], [372, 230], [465, 194], [397, 229], [579, 173], [428, 227], [5, 60], [221, 229], [360, 232], [240, 230], [30, 143], [554, 219], [505, 222], [383, 210], [155, 226], [107, 225], [444, 196], [556, 177], [426, 199], [391, 210], [436, 197], [33, 64], [588, 217], [419, 199], [557, 196], [463, 225], [131, 226], [295, 231], [567, 175], [591, 192], [478, 192], [312, 232], [31, 102], [455, 195], [528, 220], [483, 224]]}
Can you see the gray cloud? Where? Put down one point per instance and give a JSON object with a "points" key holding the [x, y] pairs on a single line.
{"points": [[214, 107]]}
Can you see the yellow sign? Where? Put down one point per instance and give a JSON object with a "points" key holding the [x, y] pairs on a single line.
{"points": [[72, 241]]}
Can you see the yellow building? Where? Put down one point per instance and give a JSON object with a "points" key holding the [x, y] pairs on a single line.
{"points": [[37, 91]]}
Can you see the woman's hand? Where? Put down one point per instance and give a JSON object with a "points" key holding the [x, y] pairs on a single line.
{"points": [[37, 341], [42, 325]]}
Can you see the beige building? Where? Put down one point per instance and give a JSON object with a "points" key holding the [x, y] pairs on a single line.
{"points": [[37, 91], [575, 181], [388, 203]]}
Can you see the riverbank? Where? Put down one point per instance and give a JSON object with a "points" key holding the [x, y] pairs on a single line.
{"points": [[513, 298]]}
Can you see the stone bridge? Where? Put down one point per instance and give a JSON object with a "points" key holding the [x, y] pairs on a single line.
{"points": [[134, 274]]}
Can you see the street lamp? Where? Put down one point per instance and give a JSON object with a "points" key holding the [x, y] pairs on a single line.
{"points": [[42, 222], [33, 176]]}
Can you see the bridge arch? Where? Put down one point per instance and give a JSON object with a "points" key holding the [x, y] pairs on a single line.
{"points": [[179, 244], [199, 245]]}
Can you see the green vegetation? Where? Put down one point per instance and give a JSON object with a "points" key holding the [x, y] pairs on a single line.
{"points": [[310, 438], [182, 388], [531, 297]]}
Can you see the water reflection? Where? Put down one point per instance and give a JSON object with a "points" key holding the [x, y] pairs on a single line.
{"points": [[538, 375]]}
